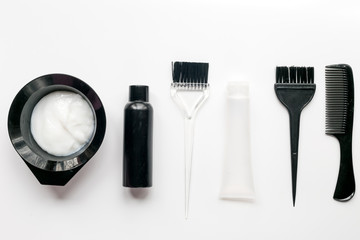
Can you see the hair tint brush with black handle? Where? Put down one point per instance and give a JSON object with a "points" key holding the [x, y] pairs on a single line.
{"points": [[294, 88], [339, 123]]}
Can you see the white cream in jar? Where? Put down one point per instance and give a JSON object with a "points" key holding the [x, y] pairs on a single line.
{"points": [[62, 122]]}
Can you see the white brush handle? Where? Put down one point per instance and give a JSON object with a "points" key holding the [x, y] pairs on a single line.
{"points": [[189, 103], [189, 143]]}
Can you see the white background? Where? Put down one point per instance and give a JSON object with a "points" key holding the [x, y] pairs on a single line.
{"points": [[112, 44]]}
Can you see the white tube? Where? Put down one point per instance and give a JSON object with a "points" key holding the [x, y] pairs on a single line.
{"points": [[237, 178]]}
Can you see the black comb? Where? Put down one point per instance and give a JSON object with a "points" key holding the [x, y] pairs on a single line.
{"points": [[294, 88], [339, 123]]}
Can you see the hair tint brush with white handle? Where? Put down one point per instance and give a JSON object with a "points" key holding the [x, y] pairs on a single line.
{"points": [[189, 91], [339, 123]]}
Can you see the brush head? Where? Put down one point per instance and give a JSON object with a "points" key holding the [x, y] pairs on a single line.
{"points": [[190, 72], [339, 99], [301, 75]]}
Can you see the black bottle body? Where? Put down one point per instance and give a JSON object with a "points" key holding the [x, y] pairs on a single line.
{"points": [[137, 159]]}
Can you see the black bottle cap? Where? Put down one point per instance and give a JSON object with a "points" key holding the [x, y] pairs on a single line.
{"points": [[139, 93]]}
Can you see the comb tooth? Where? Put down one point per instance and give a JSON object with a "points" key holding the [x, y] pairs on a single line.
{"points": [[336, 100]]}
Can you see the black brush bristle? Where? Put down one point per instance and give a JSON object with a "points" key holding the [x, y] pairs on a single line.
{"points": [[304, 75], [310, 71], [292, 74], [339, 98], [190, 72], [282, 75]]}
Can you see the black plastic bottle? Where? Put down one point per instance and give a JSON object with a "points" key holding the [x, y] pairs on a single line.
{"points": [[138, 124]]}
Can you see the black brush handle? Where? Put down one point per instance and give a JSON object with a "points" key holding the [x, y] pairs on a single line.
{"points": [[294, 97], [345, 186], [294, 116]]}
